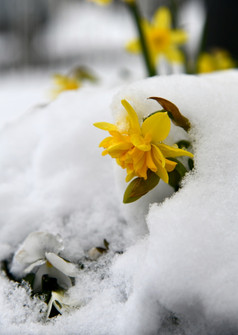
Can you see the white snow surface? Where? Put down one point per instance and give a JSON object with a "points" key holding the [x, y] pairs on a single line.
{"points": [[179, 260]]}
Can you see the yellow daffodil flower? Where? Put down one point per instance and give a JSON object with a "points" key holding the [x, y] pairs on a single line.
{"points": [[138, 148], [64, 83], [215, 61], [160, 38], [101, 2], [107, 2]]}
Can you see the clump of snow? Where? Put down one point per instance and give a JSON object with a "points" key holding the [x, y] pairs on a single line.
{"points": [[178, 273]]}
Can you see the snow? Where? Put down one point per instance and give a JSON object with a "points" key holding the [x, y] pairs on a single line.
{"points": [[179, 260]]}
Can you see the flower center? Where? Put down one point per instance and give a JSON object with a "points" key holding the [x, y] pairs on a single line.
{"points": [[160, 39]]}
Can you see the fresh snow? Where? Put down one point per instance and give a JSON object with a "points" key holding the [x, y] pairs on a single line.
{"points": [[180, 260]]}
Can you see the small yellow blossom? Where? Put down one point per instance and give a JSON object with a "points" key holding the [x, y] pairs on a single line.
{"points": [[64, 83], [215, 61], [107, 2], [160, 38], [101, 2], [138, 148]]}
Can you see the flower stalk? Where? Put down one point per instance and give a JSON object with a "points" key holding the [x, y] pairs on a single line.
{"points": [[151, 70], [174, 13]]}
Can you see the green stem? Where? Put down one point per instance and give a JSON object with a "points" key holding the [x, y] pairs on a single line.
{"points": [[174, 12], [145, 52]]}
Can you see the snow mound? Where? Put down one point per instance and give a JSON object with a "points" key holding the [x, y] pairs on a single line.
{"points": [[179, 270]]}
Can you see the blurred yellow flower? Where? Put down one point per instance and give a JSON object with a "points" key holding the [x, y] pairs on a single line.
{"points": [[64, 83], [107, 2], [101, 2], [160, 38], [138, 148], [215, 61]]}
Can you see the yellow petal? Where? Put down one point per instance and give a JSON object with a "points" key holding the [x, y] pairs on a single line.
{"points": [[140, 163], [157, 125], [149, 162], [133, 46], [132, 116], [101, 2], [162, 173], [174, 55], [169, 151], [139, 142], [106, 142], [157, 155], [105, 126], [162, 18], [117, 149], [170, 165], [143, 171], [120, 161], [130, 176], [178, 36], [105, 152], [136, 154]]}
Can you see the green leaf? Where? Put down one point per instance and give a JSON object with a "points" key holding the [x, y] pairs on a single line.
{"points": [[174, 179], [183, 144], [173, 112], [190, 163], [181, 169], [177, 174], [139, 187]]}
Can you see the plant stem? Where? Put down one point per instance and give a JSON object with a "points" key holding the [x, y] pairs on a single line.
{"points": [[174, 12], [145, 51]]}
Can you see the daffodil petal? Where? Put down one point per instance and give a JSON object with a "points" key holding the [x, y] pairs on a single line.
{"points": [[162, 173], [158, 157], [34, 265], [142, 172], [157, 125], [133, 117], [133, 46], [106, 142], [170, 165], [139, 142], [101, 2], [169, 151], [130, 176], [34, 246], [138, 165], [174, 55], [136, 154], [162, 18], [149, 161], [178, 36], [60, 264], [105, 126], [118, 148]]}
